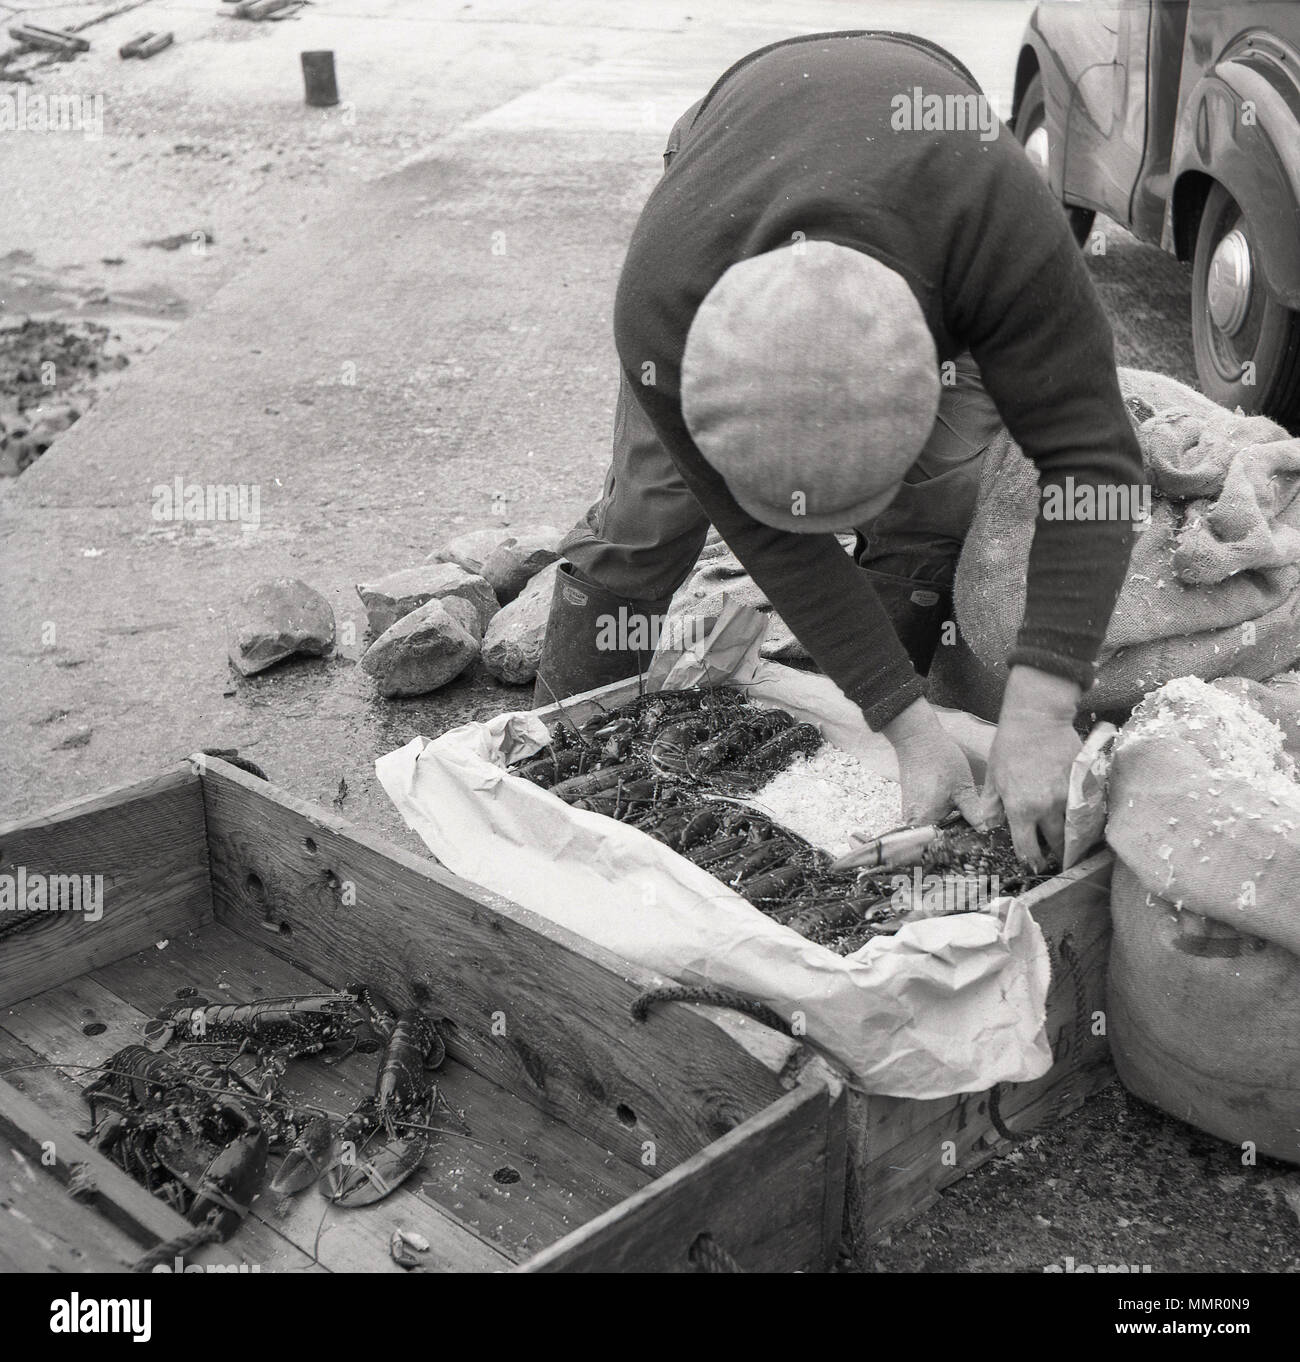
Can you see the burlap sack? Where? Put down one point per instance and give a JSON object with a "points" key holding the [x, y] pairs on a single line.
{"points": [[1214, 580], [1204, 975]]}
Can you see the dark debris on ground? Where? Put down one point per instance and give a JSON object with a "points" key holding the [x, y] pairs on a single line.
{"points": [[1116, 1182]]}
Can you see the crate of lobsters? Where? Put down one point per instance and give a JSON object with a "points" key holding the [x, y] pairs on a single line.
{"points": [[249, 1036], [732, 824]]}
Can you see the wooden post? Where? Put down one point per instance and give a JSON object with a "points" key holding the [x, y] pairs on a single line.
{"points": [[319, 80]]}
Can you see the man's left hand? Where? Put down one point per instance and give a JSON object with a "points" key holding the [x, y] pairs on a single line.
{"points": [[1029, 764]]}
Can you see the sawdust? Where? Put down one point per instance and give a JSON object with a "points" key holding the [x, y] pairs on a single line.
{"points": [[826, 796], [1236, 738]]}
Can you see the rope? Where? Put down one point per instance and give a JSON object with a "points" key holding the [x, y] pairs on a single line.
{"points": [[707, 1255], [715, 997], [81, 1182], [164, 1252], [231, 755], [995, 1115]]}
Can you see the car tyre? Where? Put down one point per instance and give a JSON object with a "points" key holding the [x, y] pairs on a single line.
{"points": [[1030, 130], [1237, 323]]}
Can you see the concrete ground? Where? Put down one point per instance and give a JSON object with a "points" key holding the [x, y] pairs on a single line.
{"points": [[426, 347], [400, 330]]}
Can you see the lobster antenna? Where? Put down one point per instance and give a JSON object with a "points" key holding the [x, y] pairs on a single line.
{"points": [[559, 704]]}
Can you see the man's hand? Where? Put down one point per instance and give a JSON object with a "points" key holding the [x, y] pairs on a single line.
{"points": [[932, 768], [1029, 764]]}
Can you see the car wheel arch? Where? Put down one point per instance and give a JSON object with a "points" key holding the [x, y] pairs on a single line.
{"points": [[1027, 67], [1186, 204], [1248, 161]]}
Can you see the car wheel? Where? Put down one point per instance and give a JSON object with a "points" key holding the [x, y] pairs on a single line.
{"points": [[1031, 132], [1239, 331]]}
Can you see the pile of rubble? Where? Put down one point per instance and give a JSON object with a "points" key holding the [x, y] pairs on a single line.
{"points": [[485, 594]]}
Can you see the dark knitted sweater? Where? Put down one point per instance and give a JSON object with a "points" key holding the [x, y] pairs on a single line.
{"points": [[797, 138]]}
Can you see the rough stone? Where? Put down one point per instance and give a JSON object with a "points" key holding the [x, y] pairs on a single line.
{"points": [[466, 614], [277, 619], [470, 550], [399, 593], [423, 650], [517, 560], [512, 645]]}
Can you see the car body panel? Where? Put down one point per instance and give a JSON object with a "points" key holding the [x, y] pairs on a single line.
{"points": [[1248, 155], [1105, 132], [1144, 104]]}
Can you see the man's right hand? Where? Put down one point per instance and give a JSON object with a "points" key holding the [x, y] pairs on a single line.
{"points": [[932, 769]]}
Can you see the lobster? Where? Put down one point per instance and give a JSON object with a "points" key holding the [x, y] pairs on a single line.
{"points": [[554, 764], [283, 1027], [682, 767], [136, 1076], [649, 711], [401, 1108], [183, 1129], [737, 740], [599, 781]]}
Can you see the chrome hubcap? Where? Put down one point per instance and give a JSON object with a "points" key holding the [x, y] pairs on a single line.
{"points": [[1036, 148], [1230, 281]]}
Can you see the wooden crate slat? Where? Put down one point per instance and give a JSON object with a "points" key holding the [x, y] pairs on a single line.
{"points": [[563, 1180], [577, 709], [47, 1231], [487, 966], [60, 1017], [905, 1152], [766, 1193], [146, 840]]}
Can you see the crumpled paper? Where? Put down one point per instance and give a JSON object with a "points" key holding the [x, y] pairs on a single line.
{"points": [[948, 1005], [1085, 807]]}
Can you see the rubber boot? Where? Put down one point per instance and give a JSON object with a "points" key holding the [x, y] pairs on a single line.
{"points": [[593, 638]]}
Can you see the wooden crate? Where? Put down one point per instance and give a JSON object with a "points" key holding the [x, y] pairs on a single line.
{"points": [[902, 1153], [581, 1139]]}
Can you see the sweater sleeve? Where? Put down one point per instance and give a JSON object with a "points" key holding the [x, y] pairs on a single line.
{"points": [[813, 584], [1027, 308]]}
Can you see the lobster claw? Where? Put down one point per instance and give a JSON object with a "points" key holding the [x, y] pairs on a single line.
{"points": [[372, 1020], [230, 1182], [308, 1158], [376, 1169], [159, 1031]]}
